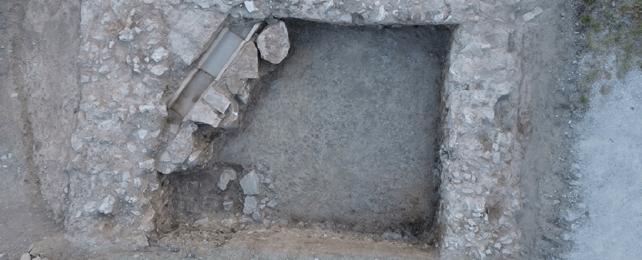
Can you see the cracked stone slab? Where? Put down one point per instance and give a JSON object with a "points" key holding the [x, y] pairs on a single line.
{"points": [[216, 100], [203, 113], [246, 63]]}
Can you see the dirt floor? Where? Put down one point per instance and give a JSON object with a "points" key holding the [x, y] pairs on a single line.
{"points": [[577, 176], [315, 125]]}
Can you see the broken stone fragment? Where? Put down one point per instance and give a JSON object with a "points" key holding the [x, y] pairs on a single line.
{"points": [[202, 222], [228, 204], [104, 69], [532, 14], [107, 206], [216, 100], [256, 217], [202, 113], [228, 222], [193, 158], [160, 54], [76, 143], [233, 84], [251, 184], [246, 62], [182, 145], [227, 176], [273, 43], [249, 205], [231, 116], [126, 34], [159, 69], [272, 204], [147, 165], [249, 5]]}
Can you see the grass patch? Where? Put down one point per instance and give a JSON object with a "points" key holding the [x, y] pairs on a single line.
{"points": [[591, 77], [615, 25], [590, 21], [584, 100]]}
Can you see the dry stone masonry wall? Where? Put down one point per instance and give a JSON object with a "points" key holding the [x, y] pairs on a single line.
{"points": [[134, 54]]}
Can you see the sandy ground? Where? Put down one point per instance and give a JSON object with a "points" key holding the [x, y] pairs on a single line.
{"points": [[610, 173]]}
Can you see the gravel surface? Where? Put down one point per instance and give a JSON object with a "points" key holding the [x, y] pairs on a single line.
{"points": [[610, 173]]}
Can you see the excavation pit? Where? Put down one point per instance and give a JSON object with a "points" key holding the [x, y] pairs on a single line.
{"points": [[343, 135]]}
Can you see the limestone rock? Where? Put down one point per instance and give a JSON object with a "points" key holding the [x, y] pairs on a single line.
{"points": [[193, 158], [76, 143], [202, 113], [256, 217], [202, 222], [273, 43], [190, 30], [159, 69], [160, 54], [182, 145], [272, 204], [147, 165], [234, 84], [251, 184], [107, 206], [246, 63], [231, 116], [227, 176], [228, 204], [216, 100], [532, 14], [249, 5], [126, 34], [249, 205], [25, 256]]}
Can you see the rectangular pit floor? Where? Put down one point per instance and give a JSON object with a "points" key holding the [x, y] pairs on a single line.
{"points": [[345, 129]]}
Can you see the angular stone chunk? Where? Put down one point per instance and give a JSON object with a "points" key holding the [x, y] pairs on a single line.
{"points": [[251, 184], [235, 85], [273, 43], [203, 113], [249, 205], [217, 100], [227, 176], [246, 63], [228, 204], [160, 54], [182, 145], [107, 206]]}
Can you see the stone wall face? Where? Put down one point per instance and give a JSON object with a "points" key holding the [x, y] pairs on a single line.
{"points": [[126, 79]]}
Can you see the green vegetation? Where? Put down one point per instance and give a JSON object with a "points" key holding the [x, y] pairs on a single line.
{"points": [[585, 85], [614, 26], [615, 23], [590, 21]]}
